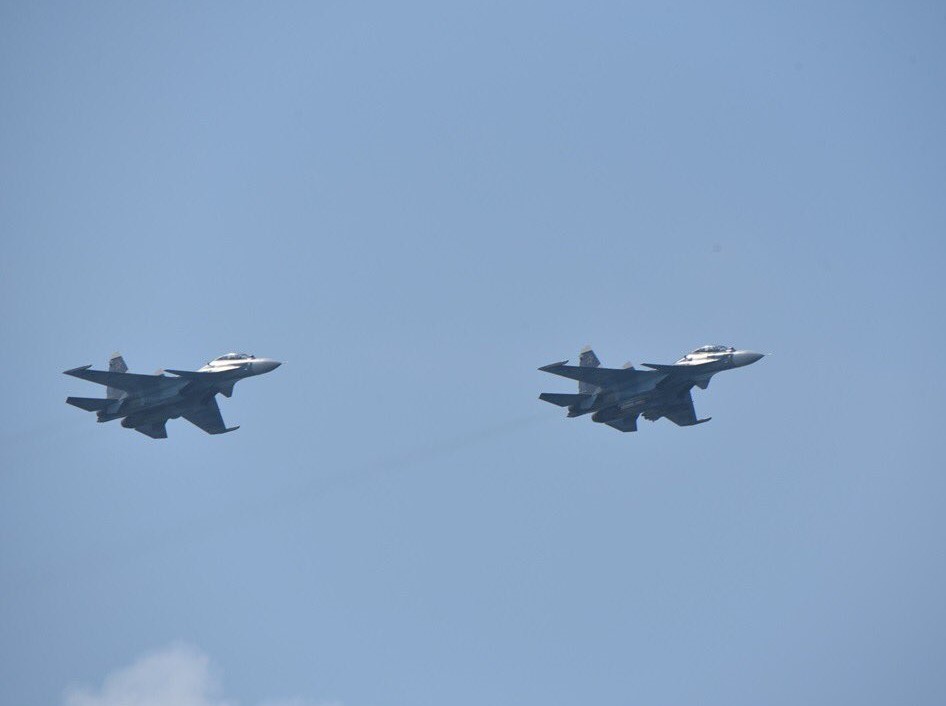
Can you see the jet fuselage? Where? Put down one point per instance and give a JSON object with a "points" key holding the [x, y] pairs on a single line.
{"points": [[146, 402], [618, 396]]}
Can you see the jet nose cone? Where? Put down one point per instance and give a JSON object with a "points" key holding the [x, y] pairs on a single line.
{"points": [[741, 358], [264, 365]]}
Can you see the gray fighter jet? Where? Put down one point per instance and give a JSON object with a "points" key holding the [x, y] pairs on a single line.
{"points": [[145, 402], [618, 396]]}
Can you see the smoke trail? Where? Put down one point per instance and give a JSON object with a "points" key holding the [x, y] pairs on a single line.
{"points": [[258, 509]]}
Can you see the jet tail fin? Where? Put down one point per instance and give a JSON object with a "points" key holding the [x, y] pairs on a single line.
{"points": [[587, 359], [116, 364], [89, 404]]}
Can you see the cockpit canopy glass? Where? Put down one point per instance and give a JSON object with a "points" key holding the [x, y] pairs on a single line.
{"points": [[713, 349], [234, 356]]}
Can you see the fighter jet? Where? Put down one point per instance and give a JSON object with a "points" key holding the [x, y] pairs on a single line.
{"points": [[145, 402], [618, 396]]}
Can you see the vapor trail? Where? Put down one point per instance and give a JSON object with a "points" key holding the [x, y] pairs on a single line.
{"points": [[214, 522]]}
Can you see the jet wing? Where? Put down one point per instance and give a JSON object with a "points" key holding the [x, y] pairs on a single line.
{"points": [[600, 377], [129, 382], [207, 417], [680, 413], [680, 368], [628, 423], [156, 430], [209, 379]]}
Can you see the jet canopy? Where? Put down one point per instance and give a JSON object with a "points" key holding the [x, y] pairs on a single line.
{"points": [[230, 357], [713, 349]]}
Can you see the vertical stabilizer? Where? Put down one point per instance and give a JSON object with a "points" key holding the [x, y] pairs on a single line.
{"points": [[587, 359], [116, 364]]}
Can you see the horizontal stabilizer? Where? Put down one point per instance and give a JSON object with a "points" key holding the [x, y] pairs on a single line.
{"points": [[564, 400], [89, 404]]}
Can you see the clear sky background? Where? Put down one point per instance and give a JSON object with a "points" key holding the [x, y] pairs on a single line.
{"points": [[415, 205]]}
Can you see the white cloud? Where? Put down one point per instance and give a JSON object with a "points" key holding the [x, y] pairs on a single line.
{"points": [[179, 675]]}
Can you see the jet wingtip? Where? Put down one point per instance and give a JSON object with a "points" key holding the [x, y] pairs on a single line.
{"points": [[223, 431], [550, 366], [73, 371]]}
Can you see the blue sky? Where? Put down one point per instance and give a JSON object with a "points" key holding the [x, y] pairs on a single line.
{"points": [[415, 206]]}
